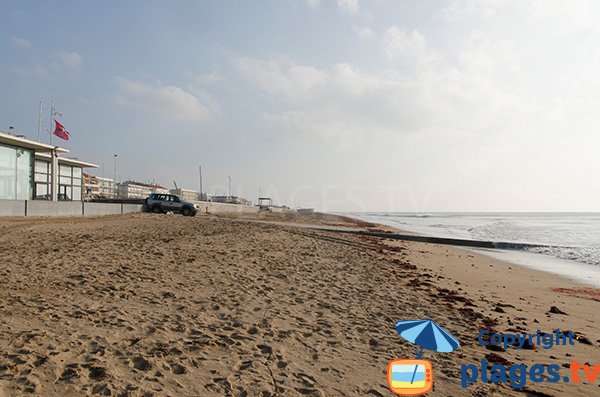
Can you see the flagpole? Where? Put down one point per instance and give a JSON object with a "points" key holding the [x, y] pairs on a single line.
{"points": [[51, 118], [40, 122]]}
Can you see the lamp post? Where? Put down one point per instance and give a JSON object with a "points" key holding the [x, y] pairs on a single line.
{"points": [[115, 174], [229, 196], [200, 172]]}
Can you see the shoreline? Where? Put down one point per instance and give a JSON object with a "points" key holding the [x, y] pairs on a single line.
{"points": [[570, 270]]}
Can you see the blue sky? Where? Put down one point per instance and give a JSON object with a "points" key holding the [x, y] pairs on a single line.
{"points": [[338, 104]]}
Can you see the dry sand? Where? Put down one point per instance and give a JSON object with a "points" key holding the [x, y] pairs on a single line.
{"points": [[157, 305]]}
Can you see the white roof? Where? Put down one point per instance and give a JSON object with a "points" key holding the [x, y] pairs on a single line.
{"points": [[64, 160], [24, 143]]}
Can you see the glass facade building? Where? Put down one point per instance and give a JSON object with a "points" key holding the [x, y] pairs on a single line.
{"points": [[16, 176], [69, 181], [26, 171]]}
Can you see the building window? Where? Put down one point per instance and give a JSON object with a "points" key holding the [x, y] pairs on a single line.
{"points": [[16, 176], [42, 191], [42, 179], [69, 183]]}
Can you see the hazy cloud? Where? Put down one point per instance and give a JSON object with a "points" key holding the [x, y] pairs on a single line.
{"points": [[281, 78], [350, 6], [206, 78], [343, 105], [21, 42], [313, 3], [398, 43], [364, 33], [168, 101], [38, 71], [71, 60]]}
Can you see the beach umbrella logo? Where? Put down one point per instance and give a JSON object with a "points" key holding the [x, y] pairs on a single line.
{"points": [[414, 377]]}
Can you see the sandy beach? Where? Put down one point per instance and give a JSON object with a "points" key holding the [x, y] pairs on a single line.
{"points": [[159, 305]]}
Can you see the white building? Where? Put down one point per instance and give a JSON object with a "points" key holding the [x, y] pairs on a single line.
{"points": [[230, 200], [108, 187], [138, 190], [96, 187], [185, 194], [34, 170]]}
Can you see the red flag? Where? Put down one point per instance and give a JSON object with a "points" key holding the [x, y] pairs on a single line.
{"points": [[60, 131]]}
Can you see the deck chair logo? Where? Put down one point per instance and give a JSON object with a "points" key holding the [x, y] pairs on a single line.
{"points": [[414, 377]]}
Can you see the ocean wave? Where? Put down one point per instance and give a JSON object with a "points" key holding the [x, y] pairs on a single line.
{"points": [[571, 237], [493, 229], [587, 255]]}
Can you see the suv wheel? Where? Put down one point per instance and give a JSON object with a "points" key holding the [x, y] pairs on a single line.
{"points": [[186, 211], [156, 209]]}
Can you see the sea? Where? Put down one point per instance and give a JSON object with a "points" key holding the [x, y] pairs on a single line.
{"points": [[566, 244]]}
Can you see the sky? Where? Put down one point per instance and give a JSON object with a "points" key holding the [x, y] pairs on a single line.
{"points": [[340, 105]]}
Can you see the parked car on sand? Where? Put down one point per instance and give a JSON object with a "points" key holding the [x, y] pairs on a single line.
{"points": [[162, 203]]}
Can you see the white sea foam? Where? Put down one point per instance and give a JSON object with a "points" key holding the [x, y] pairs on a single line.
{"points": [[567, 241]]}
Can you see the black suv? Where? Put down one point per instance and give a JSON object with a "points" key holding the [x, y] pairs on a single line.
{"points": [[163, 203]]}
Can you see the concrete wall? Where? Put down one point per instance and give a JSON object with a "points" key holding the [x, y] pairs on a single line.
{"points": [[222, 208], [12, 207], [54, 208], [79, 208], [63, 208], [127, 208], [101, 209]]}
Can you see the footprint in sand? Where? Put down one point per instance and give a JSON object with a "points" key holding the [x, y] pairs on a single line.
{"points": [[140, 363], [103, 389], [96, 373], [245, 365], [69, 373], [178, 369]]}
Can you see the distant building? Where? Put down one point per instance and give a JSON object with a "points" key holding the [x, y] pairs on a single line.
{"points": [[33, 170], [96, 187], [230, 200], [265, 202], [91, 187], [108, 188], [185, 194], [138, 190]]}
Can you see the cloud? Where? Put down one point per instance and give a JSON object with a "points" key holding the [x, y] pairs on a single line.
{"points": [[281, 78], [206, 78], [575, 13], [71, 60], [168, 101], [38, 71], [64, 62], [313, 3], [398, 43], [349, 6], [21, 42], [364, 34], [346, 106], [342, 105]]}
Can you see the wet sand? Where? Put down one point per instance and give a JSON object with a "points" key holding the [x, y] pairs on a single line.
{"points": [[146, 304]]}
